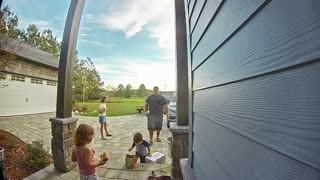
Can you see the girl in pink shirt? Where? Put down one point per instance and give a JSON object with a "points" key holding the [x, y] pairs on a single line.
{"points": [[84, 154]]}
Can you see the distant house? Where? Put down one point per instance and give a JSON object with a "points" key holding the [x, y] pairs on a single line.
{"points": [[255, 68], [32, 85]]}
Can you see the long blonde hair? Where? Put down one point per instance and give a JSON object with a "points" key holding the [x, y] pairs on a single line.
{"points": [[84, 135]]}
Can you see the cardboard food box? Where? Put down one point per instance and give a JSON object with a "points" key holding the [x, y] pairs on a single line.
{"points": [[156, 157]]}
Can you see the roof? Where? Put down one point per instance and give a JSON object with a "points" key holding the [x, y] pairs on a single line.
{"points": [[31, 53]]}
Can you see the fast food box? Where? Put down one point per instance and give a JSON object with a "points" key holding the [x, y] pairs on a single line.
{"points": [[156, 157]]}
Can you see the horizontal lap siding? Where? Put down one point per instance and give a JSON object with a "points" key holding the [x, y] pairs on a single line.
{"points": [[256, 89], [208, 13], [196, 12], [223, 154], [205, 163], [276, 38], [279, 110], [229, 18], [191, 6]]}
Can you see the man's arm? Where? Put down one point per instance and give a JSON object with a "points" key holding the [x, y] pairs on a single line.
{"points": [[146, 106], [165, 109], [165, 106]]}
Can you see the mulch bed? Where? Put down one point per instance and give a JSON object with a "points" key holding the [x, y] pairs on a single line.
{"points": [[15, 156]]}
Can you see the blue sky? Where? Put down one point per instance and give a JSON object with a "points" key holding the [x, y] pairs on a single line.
{"points": [[130, 41]]}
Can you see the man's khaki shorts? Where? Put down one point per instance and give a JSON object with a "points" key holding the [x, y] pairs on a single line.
{"points": [[155, 122]]}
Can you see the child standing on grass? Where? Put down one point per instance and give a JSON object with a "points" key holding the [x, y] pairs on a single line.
{"points": [[103, 117], [84, 154], [141, 147]]}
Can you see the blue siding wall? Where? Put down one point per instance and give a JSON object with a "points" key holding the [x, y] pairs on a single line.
{"points": [[256, 88]]}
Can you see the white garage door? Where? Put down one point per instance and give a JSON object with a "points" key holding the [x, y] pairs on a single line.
{"points": [[25, 95]]}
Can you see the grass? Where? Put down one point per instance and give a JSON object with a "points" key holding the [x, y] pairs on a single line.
{"points": [[116, 106]]}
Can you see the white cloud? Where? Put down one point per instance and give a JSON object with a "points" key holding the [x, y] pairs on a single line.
{"points": [[85, 28], [129, 71], [131, 17], [95, 43], [40, 23], [87, 35], [89, 18], [91, 42]]}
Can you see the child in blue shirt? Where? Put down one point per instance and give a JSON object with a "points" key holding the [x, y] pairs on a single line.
{"points": [[141, 147]]}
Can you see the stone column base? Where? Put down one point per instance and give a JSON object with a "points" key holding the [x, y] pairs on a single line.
{"points": [[187, 171], [62, 142], [179, 148]]}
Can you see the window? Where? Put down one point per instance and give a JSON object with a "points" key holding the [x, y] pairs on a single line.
{"points": [[18, 78], [36, 81], [51, 83]]}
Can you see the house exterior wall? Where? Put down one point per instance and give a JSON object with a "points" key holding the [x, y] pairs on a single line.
{"points": [[256, 91], [28, 68], [28, 96]]}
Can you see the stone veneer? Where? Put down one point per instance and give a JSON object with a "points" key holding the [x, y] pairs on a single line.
{"points": [[187, 171], [30, 69], [62, 142], [179, 148]]}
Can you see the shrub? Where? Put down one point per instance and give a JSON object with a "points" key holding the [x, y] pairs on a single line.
{"points": [[85, 107], [37, 155], [76, 108]]}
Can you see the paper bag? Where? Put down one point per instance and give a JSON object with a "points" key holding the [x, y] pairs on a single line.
{"points": [[130, 161]]}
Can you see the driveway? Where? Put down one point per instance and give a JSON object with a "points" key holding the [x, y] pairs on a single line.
{"points": [[38, 127]]}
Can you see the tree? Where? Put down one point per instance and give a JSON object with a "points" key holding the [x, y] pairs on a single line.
{"points": [[120, 90], [32, 35], [8, 28], [49, 43], [9, 23], [128, 91], [141, 91], [43, 40], [8, 31], [93, 80], [86, 83], [111, 90]]}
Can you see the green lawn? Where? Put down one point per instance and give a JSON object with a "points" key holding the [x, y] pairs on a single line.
{"points": [[116, 106]]}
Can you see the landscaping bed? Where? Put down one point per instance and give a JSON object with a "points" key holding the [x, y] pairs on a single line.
{"points": [[15, 157]]}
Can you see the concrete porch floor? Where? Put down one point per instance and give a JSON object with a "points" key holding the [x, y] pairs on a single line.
{"points": [[38, 127]]}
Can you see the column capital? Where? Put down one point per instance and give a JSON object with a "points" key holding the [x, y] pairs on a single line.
{"points": [[57, 120], [175, 129]]}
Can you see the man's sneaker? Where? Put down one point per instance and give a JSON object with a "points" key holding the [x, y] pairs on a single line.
{"points": [[158, 140], [150, 143]]}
